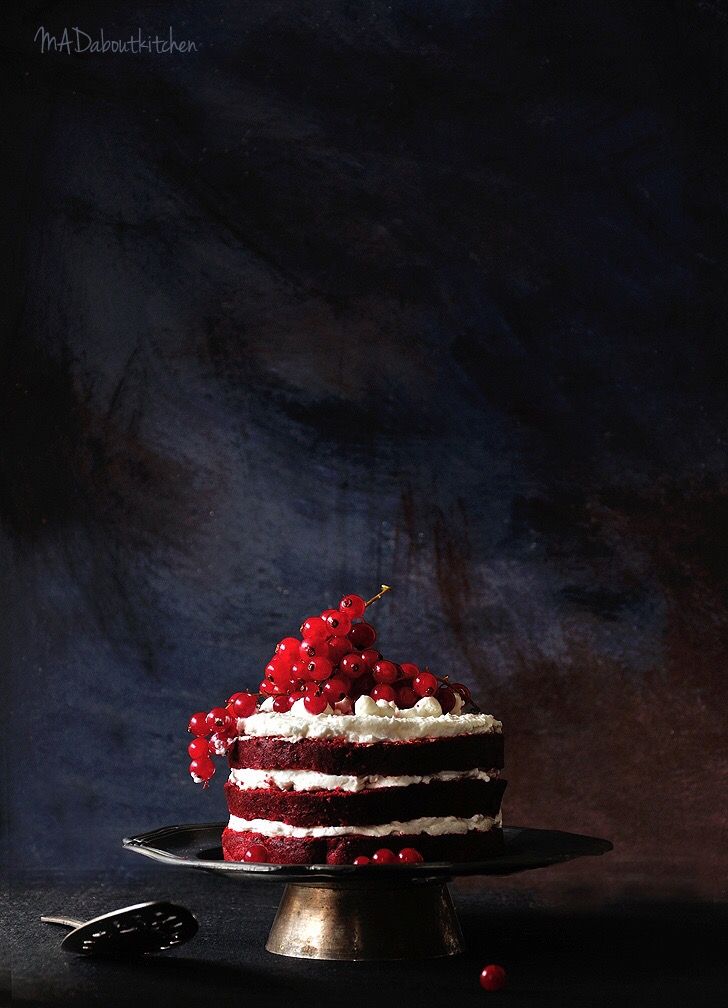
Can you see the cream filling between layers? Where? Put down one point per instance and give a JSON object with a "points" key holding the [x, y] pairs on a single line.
{"points": [[433, 825], [366, 727], [310, 780]]}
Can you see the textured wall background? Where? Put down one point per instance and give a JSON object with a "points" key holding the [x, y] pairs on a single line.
{"points": [[431, 293]]}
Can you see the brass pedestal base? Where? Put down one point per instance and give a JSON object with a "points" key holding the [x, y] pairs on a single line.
{"points": [[379, 920]]}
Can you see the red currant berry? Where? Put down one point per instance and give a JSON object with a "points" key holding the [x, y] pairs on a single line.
{"points": [[319, 669], [353, 665], [243, 704], [314, 628], [275, 670], [256, 853], [463, 691], [338, 647], [384, 856], [198, 724], [288, 646], [370, 657], [363, 685], [424, 684], [353, 606], [493, 978], [338, 622], [446, 698], [382, 691], [310, 689], [362, 635], [296, 695], [362, 859], [409, 670], [283, 703], [218, 719], [385, 672], [312, 649], [406, 697], [203, 768], [410, 855], [315, 704], [198, 748], [334, 690]]}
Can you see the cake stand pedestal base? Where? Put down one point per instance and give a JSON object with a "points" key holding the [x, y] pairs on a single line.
{"points": [[348, 920]]}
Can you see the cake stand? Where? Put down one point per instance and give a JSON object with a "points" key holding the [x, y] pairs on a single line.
{"points": [[363, 912]]}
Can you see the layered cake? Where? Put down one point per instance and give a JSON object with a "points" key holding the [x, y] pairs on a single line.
{"points": [[345, 757]]}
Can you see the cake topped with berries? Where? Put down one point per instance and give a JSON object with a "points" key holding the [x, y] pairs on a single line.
{"points": [[343, 756]]}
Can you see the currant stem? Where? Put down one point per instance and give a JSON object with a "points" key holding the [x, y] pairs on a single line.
{"points": [[385, 589]]}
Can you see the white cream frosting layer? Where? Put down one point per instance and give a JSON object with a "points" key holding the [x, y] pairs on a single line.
{"points": [[366, 727], [433, 825], [310, 780]]}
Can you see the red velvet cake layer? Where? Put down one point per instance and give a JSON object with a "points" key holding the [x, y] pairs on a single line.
{"points": [[458, 847], [338, 756], [461, 798]]}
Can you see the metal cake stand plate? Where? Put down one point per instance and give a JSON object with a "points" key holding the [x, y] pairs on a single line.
{"points": [[367, 912]]}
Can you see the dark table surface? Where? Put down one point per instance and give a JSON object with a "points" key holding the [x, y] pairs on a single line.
{"points": [[575, 952]]}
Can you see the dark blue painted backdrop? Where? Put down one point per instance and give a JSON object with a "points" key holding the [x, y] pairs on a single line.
{"points": [[431, 293]]}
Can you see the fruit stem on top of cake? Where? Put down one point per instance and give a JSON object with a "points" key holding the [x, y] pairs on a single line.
{"points": [[329, 669]]}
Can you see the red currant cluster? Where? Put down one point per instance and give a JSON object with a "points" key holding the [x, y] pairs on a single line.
{"points": [[332, 661], [335, 660]]}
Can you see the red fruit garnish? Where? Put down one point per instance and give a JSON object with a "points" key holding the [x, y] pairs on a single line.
{"points": [[314, 628], [310, 689], [315, 704], [289, 645], [338, 647], [446, 698], [353, 665], [463, 691], [318, 669], [243, 704], [203, 768], [353, 606], [363, 685], [425, 684], [410, 855], [370, 657], [218, 719], [283, 703], [198, 724], [384, 856], [362, 635], [383, 692], [493, 978], [266, 688], [313, 648], [334, 690], [385, 672], [256, 853], [198, 748], [362, 859], [338, 622], [278, 670], [406, 697], [409, 669]]}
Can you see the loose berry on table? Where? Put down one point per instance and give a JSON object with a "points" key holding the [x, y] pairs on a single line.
{"points": [[256, 853], [410, 855], [493, 977]]}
